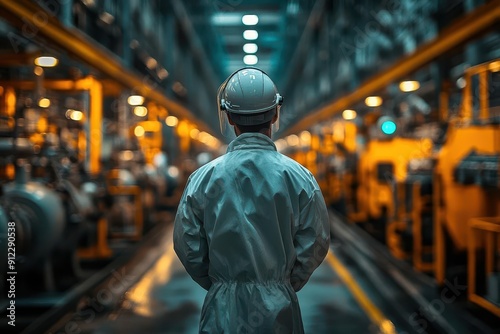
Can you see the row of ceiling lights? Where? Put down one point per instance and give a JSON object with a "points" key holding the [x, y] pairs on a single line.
{"points": [[376, 101], [250, 35]]}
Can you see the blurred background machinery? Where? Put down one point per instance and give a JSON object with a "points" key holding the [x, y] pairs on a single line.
{"points": [[106, 107]]}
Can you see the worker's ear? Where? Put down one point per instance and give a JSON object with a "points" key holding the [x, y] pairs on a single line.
{"points": [[229, 119], [275, 118]]}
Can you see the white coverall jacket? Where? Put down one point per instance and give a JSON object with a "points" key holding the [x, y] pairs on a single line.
{"points": [[251, 228]]}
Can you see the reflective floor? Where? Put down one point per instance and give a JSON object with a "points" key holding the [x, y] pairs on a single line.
{"points": [[166, 300]]}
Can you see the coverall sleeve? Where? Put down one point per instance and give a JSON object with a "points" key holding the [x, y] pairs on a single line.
{"points": [[190, 242], [311, 241]]}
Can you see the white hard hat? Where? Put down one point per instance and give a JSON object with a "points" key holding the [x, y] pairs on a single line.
{"points": [[250, 97]]}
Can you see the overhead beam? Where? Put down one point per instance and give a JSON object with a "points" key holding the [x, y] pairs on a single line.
{"points": [[25, 14], [13, 59], [195, 44], [298, 58], [471, 25]]}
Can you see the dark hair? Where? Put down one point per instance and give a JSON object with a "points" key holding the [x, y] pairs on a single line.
{"points": [[254, 128]]}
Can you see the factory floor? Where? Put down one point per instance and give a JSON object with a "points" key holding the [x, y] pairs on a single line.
{"points": [[359, 288], [166, 300]]}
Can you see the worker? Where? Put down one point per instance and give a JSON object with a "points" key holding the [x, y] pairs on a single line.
{"points": [[252, 225]]}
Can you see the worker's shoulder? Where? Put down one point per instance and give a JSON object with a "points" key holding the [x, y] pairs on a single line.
{"points": [[292, 165], [207, 168]]}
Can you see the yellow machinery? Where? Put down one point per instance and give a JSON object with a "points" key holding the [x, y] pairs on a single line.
{"points": [[485, 231], [340, 174], [410, 232], [381, 166], [467, 189]]}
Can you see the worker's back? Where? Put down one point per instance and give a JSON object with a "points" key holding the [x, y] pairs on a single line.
{"points": [[258, 211]]}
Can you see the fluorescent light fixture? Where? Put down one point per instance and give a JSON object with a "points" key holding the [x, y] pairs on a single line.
{"points": [[349, 114], [250, 48], [250, 20], [250, 35], [135, 100], [171, 121], [250, 59], [373, 101], [409, 86], [46, 61], [141, 111]]}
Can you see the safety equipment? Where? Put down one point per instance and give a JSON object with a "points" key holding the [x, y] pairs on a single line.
{"points": [[251, 236], [250, 97]]}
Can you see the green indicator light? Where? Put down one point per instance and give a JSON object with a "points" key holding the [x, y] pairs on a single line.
{"points": [[388, 127]]}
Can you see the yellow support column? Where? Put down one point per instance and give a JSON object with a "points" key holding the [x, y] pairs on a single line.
{"points": [[95, 120], [483, 95]]}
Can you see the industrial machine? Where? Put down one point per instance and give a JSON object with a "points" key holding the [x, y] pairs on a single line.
{"points": [[383, 165]]}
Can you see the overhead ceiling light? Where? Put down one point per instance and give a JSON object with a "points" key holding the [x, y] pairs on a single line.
{"points": [[141, 111], [44, 102], [349, 114], [46, 61], [162, 73], [135, 100], [250, 35], [373, 101], [250, 20], [171, 121], [139, 131], [250, 48], [151, 63], [75, 115], [250, 59], [409, 86]]}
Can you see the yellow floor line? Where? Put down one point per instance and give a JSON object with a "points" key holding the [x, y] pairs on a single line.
{"points": [[376, 316]]}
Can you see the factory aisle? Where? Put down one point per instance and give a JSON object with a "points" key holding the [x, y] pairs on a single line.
{"points": [[167, 300]]}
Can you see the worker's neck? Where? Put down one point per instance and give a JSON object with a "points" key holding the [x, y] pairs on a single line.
{"points": [[266, 132]]}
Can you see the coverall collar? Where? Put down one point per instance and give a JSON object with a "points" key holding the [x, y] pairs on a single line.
{"points": [[251, 140]]}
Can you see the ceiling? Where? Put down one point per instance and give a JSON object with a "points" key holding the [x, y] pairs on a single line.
{"points": [[220, 27]]}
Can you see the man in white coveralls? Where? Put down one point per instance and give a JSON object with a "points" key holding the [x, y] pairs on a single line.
{"points": [[252, 225]]}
